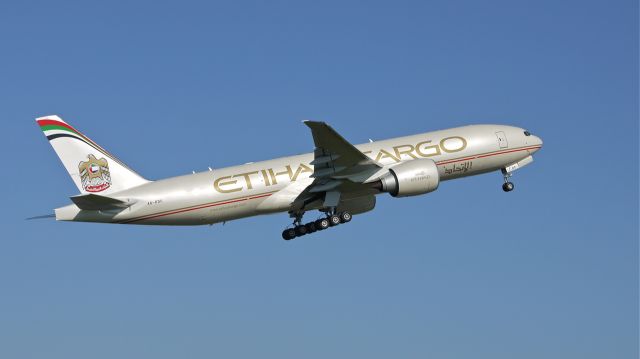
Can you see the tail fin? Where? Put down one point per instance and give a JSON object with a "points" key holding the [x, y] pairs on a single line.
{"points": [[92, 168]]}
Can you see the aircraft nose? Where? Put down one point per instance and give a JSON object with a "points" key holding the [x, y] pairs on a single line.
{"points": [[535, 142]]}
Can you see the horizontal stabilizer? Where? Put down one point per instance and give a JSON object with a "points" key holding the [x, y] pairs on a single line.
{"points": [[94, 202], [42, 217]]}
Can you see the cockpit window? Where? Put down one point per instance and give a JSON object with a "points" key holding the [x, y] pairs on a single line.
{"points": [[527, 133]]}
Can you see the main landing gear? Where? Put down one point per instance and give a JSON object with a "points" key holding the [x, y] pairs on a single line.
{"points": [[331, 220], [507, 186]]}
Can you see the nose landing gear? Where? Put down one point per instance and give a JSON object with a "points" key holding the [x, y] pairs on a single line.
{"points": [[298, 230], [507, 186]]}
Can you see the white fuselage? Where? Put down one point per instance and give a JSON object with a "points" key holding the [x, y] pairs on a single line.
{"points": [[268, 186]]}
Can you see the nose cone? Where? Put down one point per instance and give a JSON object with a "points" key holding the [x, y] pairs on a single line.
{"points": [[535, 142]]}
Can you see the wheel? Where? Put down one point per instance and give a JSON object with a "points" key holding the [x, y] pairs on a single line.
{"points": [[322, 224], [311, 227], [345, 217], [507, 186], [301, 230], [288, 234], [334, 220]]}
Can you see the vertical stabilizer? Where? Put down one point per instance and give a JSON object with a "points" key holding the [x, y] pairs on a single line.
{"points": [[92, 168]]}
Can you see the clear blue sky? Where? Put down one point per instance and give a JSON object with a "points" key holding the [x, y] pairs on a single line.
{"points": [[547, 271]]}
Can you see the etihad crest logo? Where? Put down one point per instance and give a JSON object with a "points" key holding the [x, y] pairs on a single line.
{"points": [[94, 174]]}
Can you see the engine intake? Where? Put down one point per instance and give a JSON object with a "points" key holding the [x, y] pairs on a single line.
{"points": [[410, 178]]}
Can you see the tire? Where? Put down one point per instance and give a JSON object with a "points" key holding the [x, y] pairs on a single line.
{"points": [[301, 230], [322, 224], [508, 186], [311, 227], [345, 217], [334, 220], [288, 234]]}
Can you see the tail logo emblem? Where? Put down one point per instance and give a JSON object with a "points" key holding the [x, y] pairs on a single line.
{"points": [[94, 174]]}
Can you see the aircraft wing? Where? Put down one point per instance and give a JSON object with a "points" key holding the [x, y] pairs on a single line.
{"points": [[336, 160], [339, 169]]}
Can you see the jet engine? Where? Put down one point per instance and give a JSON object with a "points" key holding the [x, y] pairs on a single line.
{"points": [[410, 178]]}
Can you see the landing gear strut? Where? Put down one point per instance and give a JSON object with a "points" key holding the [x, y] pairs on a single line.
{"points": [[507, 186], [298, 229]]}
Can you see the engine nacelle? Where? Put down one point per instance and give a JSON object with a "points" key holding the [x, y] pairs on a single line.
{"points": [[410, 178]]}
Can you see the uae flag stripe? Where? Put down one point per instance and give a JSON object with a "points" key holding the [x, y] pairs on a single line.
{"points": [[52, 125]]}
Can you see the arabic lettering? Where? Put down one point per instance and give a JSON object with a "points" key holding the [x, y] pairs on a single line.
{"points": [[457, 168]]}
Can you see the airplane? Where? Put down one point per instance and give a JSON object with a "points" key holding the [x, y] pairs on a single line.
{"points": [[338, 179]]}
